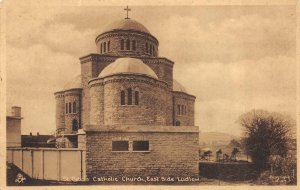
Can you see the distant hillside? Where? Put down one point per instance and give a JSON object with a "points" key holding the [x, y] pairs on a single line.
{"points": [[216, 140]]}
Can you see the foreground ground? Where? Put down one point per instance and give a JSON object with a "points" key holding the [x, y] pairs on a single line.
{"points": [[12, 176]]}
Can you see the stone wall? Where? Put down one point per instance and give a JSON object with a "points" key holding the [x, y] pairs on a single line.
{"points": [[187, 119], [171, 154], [91, 66], [114, 38], [155, 103], [60, 110], [70, 97], [163, 68]]}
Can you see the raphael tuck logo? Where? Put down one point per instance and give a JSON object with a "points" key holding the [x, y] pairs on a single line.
{"points": [[20, 178]]}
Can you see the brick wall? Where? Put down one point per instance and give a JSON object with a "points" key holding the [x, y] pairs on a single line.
{"points": [[70, 97], [60, 110], [155, 103], [97, 103], [187, 119], [171, 154], [91, 66], [115, 43]]}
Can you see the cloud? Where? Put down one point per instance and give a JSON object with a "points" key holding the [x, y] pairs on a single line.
{"points": [[226, 90], [33, 75], [246, 37]]}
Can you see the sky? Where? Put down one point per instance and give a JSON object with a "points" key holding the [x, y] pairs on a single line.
{"points": [[232, 58]]}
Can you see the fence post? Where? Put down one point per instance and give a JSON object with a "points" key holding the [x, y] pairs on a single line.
{"points": [[81, 171], [43, 165], [32, 162], [22, 160], [12, 157], [59, 165]]}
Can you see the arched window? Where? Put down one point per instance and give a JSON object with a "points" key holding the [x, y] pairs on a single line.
{"points": [[147, 48], [66, 108], [108, 46], [122, 44], [177, 123], [70, 107], [122, 97], [101, 47], [150, 49], [74, 107], [136, 98], [104, 47], [153, 50], [127, 44], [129, 96], [74, 125], [182, 109], [178, 109], [133, 45]]}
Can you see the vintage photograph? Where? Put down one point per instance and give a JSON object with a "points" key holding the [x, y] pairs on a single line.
{"points": [[137, 94]]}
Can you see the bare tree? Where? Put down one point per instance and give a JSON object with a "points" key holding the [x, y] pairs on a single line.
{"points": [[266, 134]]}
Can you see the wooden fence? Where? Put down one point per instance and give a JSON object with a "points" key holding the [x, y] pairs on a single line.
{"points": [[49, 163]]}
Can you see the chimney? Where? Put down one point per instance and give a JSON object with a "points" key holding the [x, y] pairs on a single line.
{"points": [[16, 111], [37, 134], [30, 133]]}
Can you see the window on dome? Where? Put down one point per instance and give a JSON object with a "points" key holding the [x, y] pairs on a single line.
{"points": [[127, 44], [101, 47], [108, 46], [66, 108], [122, 44], [147, 48], [153, 50], [129, 96], [150, 49], [104, 47], [74, 107], [70, 107], [122, 97], [74, 125], [136, 98], [133, 45]]}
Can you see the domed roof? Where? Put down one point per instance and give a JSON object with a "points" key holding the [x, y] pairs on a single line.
{"points": [[178, 87], [74, 83], [127, 66], [127, 24]]}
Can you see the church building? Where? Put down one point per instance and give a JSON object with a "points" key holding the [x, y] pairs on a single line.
{"points": [[126, 109]]}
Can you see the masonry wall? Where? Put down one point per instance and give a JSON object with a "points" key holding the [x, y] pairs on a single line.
{"points": [[163, 68], [115, 43], [187, 119], [91, 66], [97, 104], [70, 97], [155, 103], [13, 132], [171, 154], [60, 110]]}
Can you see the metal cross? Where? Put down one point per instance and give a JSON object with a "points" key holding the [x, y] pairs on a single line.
{"points": [[127, 9]]}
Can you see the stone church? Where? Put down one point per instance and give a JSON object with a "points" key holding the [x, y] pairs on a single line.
{"points": [[126, 109]]}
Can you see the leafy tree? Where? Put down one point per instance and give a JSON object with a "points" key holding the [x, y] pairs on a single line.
{"points": [[266, 134]]}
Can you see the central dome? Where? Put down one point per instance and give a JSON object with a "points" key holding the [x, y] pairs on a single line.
{"points": [[127, 24], [128, 66]]}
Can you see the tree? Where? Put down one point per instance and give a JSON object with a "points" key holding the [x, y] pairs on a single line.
{"points": [[266, 134]]}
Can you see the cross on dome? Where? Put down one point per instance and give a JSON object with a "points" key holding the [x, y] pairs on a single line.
{"points": [[127, 9]]}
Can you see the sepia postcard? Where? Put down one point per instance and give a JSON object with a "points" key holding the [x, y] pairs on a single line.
{"points": [[149, 95]]}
